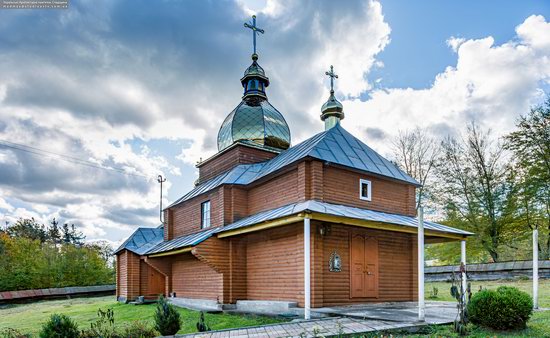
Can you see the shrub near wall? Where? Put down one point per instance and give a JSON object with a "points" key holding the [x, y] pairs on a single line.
{"points": [[505, 308]]}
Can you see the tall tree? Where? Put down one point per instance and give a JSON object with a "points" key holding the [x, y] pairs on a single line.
{"points": [[28, 228], [474, 187], [530, 144], [416, 152], [54, 234]]}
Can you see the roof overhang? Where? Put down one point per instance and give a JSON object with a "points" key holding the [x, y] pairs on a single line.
{"points": [[173, 252], [433, 236]]}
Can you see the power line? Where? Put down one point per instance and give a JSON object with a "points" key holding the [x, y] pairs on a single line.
{"points": [[67, 158]]}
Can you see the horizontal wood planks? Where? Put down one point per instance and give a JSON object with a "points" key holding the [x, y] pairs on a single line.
{"points": [[192, 278], [128, 278], [396, 265], [341, 186], [274, 261]]}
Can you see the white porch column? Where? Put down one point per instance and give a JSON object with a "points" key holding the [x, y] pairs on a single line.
{"points": [[421, 304], [536, 269], [307, 269], [463, 261]]}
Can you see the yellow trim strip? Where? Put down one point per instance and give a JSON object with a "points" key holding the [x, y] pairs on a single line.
{"points": [[381, 225], [169, 253], [262, 226]]}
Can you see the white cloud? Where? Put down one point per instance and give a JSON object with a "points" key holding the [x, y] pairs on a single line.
{"points": [[490, 83], [121, 85], [455, 42]]}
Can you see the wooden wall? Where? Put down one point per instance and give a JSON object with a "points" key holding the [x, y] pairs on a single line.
{"points": [[268, 265], [185, 218], [274, 264], [341, 186], [238, 154], [128, 275], [397, 266], [276, 192], [192, 278]]}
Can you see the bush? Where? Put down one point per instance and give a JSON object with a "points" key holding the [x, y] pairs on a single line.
{"points": [[167, 318], [103, 327], [502, 309], [59, 326], [139, 330]]}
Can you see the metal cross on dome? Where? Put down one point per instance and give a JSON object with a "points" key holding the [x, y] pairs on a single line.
{"points": [[255, 30], [332, 76]]}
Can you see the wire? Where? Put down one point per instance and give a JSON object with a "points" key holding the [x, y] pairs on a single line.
{"points": [[71, 159]]}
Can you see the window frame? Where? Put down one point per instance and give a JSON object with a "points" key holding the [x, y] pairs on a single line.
{"points": [[209, 218], [369, 190]]}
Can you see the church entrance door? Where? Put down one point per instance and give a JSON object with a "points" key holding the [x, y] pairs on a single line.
{"points": [[364, 266]]}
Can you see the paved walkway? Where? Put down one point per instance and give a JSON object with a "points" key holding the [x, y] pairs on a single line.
{"points": [[351, 319], [312, 328]]}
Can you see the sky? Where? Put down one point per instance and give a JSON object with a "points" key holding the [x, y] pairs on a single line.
{"points": [[99, 99]]}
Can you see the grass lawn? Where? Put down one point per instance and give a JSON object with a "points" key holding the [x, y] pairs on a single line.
{"points": [[28, 318], [538, 326]]}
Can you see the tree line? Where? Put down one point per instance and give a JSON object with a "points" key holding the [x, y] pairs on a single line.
{"points": [[496, 187], [35, 256]]}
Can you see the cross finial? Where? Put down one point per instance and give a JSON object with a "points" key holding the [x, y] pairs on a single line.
{"points": [[255, 30], [332, 76]]}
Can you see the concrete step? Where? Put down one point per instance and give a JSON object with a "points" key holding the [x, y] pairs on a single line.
{"points": [[196, 304], [265, 306]]}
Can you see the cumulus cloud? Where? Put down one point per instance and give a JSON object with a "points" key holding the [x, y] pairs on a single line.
{"points": [[490, 83], [145, 90]]}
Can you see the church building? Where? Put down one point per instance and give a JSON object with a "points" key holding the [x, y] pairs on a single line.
{"points": [[325, 222]]}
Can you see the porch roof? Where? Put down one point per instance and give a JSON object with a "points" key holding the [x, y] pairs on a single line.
{"points": [[317, 210], [142, 240], [323, 208]]}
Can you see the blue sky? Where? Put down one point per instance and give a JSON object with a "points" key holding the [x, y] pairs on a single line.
{"points": [[143, 87]]}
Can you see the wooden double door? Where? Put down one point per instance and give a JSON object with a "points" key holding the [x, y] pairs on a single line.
{"points": [[364, 266]]}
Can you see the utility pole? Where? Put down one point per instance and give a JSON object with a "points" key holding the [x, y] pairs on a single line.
{"points": [[161, 180]]}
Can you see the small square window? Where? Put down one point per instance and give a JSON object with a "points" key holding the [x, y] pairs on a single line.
{"points": [[365, 190], [205, 214]]}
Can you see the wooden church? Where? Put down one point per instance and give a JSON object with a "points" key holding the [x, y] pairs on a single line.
{"points": [[322, 223]]}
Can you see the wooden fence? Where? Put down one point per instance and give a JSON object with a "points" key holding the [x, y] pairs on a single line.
{"points": [[488, 271], [13, 296]]}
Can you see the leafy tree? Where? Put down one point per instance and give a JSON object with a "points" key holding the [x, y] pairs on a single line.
{"points": [[473, 186], [530, 144], [30, 264], [28, 228]]}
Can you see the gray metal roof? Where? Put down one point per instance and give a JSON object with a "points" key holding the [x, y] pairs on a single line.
{"points": [[295, 208], [339, 210], [181, 242], [142, 240], [335, 145]]}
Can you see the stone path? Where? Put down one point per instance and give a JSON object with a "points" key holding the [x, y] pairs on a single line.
{"points": [[312, 328]]}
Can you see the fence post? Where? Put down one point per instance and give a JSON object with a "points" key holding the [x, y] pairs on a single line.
{"points": [[421, 304], [535, 268]]}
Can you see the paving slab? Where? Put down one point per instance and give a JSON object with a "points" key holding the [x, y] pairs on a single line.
{"points": [[351, 319]]}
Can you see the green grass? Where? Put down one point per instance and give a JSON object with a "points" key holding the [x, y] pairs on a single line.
{"points": [[28, 318], [538, 325], [524, 285]]}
